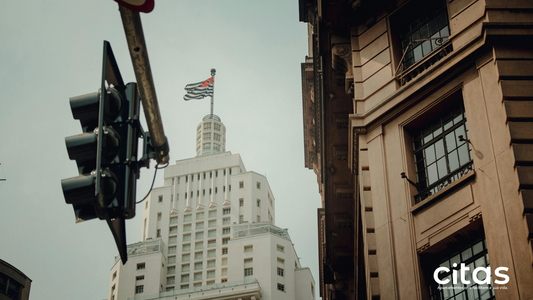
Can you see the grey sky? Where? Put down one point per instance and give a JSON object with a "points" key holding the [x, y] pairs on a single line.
{"points": [[52, 50]]}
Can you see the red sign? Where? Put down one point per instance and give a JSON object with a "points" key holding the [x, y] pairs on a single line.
{"points": [[144, 6]]}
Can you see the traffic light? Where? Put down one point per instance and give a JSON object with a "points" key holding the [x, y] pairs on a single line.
{"points": [[106, 152]]}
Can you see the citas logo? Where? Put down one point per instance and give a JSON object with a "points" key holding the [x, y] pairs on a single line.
{"points": [[464, 270]]}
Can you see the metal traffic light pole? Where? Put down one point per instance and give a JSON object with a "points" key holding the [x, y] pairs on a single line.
{"points": [[141, 65]]}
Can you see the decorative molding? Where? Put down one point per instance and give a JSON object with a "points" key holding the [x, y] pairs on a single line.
{"points": [[423, 248], [475, 217]]}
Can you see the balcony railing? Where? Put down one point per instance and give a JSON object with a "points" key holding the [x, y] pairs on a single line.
{"points": [[444, 46], [444, 182]]}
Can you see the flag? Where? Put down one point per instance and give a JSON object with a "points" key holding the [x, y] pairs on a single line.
{"points": [[199, 90]]}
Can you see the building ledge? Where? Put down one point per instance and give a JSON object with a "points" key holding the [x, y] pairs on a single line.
{"points": [[246, 289]]}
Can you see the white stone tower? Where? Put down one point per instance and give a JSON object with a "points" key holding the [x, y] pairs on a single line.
{"points": [[209, 233], [210, 136]]}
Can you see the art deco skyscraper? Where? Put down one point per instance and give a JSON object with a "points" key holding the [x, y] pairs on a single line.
{"points": [[209, 233]]}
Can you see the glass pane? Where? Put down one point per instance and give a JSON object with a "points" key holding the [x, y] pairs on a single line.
{"points": [[418, 53], [485, 292], [426, 47], [433, 26], [445, 264], [456, 260], [461, 296], [441, 165], [480, 262], [439, 149], [450, 142], [473, 293], [453, 161], [478, 247], [466, 254], [445, 32], [432, 173], [424, 31], [430, 154], [464, 156]]}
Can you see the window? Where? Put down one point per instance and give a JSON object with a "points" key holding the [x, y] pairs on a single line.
{"points": [[187, 178], [258, 185], [210, 274], [216, 173], [159, 216], [172, 249], [207, 146], [211, 282], [224, 251], [207, 136], [137, 278], [171, 270], [141, 266], [217, 137], [216, 147], [174, 220], [139, 289], [421, 24], [173, 230], [197, 284], [185, 268], [200, 216], [160, 199], [223, 280], [241, 202], [248, 272], [440, 157], [241, 219], [198, 276], [226, 230], [258, 202], [224, 272], [224, 188], [471, 252], [207, 126], [186, 257], [187, 218], [280, 248], [241, 184], [171, 280], [198, 255], [258, 218], [114, 275], [226, 211], [225, 261], [198, 265], [249, 248], [172, 259], [225, 221], [184, 286], [211, 253], [211, 263], [185, 278], [173, 240], [281, 287], [199, 246], [211, 243], [199, 235], [280, 272], [212, 223], [187, 227], [212, 213], [217, 127], [212, 233], [199, 225], [225, 241], [186, 237], [216, 190], [169, 288]]}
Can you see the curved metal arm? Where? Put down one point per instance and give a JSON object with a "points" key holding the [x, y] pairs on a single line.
{"points": [[141, 65]]}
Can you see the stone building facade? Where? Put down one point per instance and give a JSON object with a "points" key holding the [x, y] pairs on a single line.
{"points": [[418, 121]]}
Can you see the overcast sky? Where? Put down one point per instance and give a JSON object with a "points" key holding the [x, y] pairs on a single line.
{"points": [[52, 50]]}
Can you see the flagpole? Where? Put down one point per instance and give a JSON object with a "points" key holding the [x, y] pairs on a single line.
{"points": [[213, 71]]}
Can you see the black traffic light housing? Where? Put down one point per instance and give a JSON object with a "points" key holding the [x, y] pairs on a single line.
{"points": [[106, 152]]}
